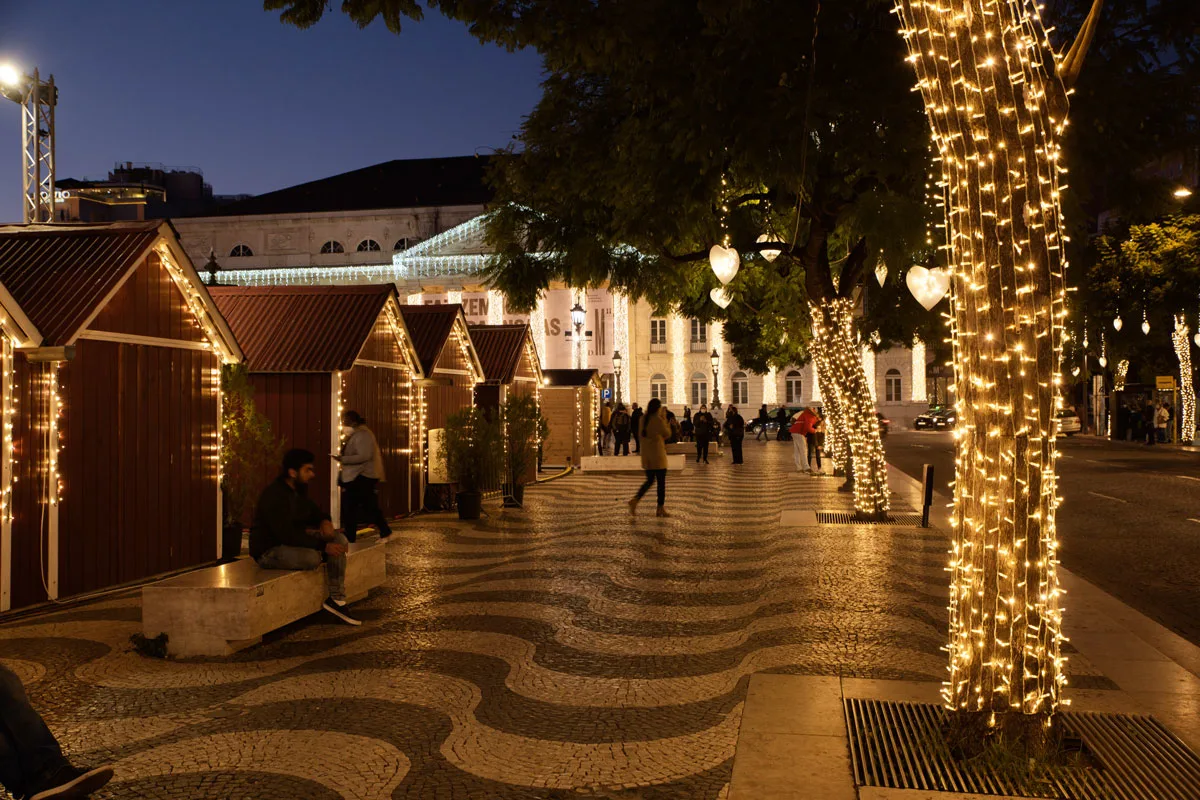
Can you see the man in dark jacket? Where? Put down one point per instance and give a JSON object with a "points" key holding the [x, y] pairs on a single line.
{"points": [[291, 532], [735, 428], [704, 426], [622, 429], [635, 421]]}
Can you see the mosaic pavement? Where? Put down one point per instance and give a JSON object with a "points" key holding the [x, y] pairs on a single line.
{"points": [[565, 650]]}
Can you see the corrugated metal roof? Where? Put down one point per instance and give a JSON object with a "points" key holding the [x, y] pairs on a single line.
{"points": [[499, 348], [570, 377], [430, 326], [301, 328], [60, 274]]}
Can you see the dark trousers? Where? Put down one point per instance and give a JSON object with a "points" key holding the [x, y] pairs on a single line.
{"points": [[762, 431], [735, 444], [28, 750], [653, 475], [360, 503], [622, 444], [814, 452], [702, 449]]}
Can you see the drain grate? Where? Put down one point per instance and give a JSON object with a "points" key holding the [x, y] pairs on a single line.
{"points": [[848, 518], [900, 746]]}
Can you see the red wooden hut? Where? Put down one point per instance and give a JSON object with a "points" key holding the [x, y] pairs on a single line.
{"points": [[510, 363], [450, 364], [314, 351], [111, 474]]}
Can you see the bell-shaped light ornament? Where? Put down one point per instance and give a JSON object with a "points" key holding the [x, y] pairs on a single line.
{"points": [[1117, 323], [725, 262], [1103, 362], [721, 296], [929, 286], [769, 253], [881, 273], [1146, 327]]}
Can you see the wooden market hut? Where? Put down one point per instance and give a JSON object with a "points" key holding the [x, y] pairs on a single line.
{"points": [[113, 396], [451, 368], [571, 405], [510, 363], [314, 351]]}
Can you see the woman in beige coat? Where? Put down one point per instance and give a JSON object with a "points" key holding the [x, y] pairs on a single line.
{"points": [[653, 437]]}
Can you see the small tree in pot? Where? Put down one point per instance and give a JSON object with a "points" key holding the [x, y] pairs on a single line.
{"points": [[473, 448], [523, 425], [249, 454]]}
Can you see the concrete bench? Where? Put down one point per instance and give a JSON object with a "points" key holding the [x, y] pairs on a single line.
{"points": [[689, 449], [220, 610], [623, 463]]}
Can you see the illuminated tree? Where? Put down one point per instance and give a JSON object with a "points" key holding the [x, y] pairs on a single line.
{"points": [[996, 98]]}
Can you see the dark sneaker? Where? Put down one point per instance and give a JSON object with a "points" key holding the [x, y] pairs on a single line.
{"points": [[338, 611], [73, 782]]}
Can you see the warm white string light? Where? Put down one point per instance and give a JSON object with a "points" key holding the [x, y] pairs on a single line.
{"points": [[920, 392], [1187, 389]]}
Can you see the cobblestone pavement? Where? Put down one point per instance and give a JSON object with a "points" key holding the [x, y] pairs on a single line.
{"points": [[563, 650]]}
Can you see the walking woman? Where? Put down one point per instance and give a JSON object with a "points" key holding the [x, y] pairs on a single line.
{"points": [[653, 438], [735, 427], [764, 417], [362, 470]]}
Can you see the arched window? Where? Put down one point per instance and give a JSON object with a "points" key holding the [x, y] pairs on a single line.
{"points": [[368, 246], [658, 387], [405, 242], [699, 390], [794, 387], [741, 389], [240, 251], [332, 247], [893, 386]]}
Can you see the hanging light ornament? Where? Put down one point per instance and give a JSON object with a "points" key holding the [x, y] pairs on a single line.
{"points": [[725, 262], [1103, 351], [1145, 323], [881, 273], [1117, 323], [929, 286], [770, 254], [721, 296]]}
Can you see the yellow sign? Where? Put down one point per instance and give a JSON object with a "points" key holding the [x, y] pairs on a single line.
{"points": [[1164, 382]]}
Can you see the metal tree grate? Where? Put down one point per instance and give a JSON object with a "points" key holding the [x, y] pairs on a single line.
{"points": [[848, 518], [901, 746]]}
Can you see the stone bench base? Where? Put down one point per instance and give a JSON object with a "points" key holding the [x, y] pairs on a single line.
{"points": [[220, 610], [623, 463]]}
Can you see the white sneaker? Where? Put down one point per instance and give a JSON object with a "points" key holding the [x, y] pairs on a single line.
{"points": [[333, 607]]}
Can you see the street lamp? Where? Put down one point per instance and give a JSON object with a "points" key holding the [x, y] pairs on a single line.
{"points": [[616, 359], [37, 99], [578, 317], [715, 358]]}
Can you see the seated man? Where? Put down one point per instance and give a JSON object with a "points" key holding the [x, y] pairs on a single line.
{"points": [[31, 762], [291, 532]]}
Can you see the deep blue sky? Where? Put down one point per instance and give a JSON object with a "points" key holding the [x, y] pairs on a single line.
{"points": [[224, 86]]}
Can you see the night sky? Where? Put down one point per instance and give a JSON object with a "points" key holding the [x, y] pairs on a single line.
{"points": [[257, 105]]}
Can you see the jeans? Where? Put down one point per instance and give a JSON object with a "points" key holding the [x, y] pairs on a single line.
{"points": [[735, 444], [360, 502], [298, 558], [702, 449], [814, 452], [29, 753], [653, 475], [800, 453], [622, 444], [762, 431]]}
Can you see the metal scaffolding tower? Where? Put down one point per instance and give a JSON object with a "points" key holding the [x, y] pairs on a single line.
{"points": [[37, 99]]}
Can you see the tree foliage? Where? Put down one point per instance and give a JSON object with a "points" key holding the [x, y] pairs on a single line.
{"points": [[249, 449]]}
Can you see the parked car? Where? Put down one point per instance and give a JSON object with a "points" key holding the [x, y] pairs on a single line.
{"points": [[772, 426], [885, 425], [937, 418], [1068, 422]]}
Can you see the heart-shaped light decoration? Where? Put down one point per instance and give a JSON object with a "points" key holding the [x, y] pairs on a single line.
{"points": [[720, 295], [1075, 372], [1117, 323], [1103, 362], [929, 286], [725, 262], [1196, 339], [881, 273], [769, 254], [1146, 327]]}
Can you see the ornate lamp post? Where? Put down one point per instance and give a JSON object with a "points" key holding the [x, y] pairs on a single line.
{"points": [[715, 358], [578, 317], [616, 359]]}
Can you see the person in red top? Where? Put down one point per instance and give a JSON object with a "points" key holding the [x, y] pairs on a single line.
{"points": [[801, 430]]}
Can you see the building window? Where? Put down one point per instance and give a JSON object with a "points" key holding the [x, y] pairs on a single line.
{"points": [[658, 387], [699, 336], [658, 335], [893, 386], [406, 242], [794, 388], [332, 247], [240, 251], [741, 389], [699, 390], [368, 246]]}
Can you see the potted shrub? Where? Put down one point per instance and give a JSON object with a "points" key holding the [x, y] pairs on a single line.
{"points": [[472, 447], [523, 424], [249, 455]]}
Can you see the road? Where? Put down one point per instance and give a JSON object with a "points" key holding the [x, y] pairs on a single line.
{"points": [[1129, 523]]}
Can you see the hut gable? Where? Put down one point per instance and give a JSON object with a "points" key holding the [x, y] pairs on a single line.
{"points": [[439, 334], [149, 304], [506, 353]]}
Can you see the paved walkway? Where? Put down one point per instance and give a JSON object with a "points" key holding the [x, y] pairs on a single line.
{"points": [[566, 650]]}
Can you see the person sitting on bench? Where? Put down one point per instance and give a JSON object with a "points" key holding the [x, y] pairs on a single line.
{"points": [[32, 764], [291, 532]]}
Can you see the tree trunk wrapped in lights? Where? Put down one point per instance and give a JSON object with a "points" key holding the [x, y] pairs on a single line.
{"points": [[838, 341], [837, 442], [1187, 391], [996, 102]]}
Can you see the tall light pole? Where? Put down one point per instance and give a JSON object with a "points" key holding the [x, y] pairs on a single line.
{"points": [[37, 99], [616, 359], [578, 317], [715, 358]]}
